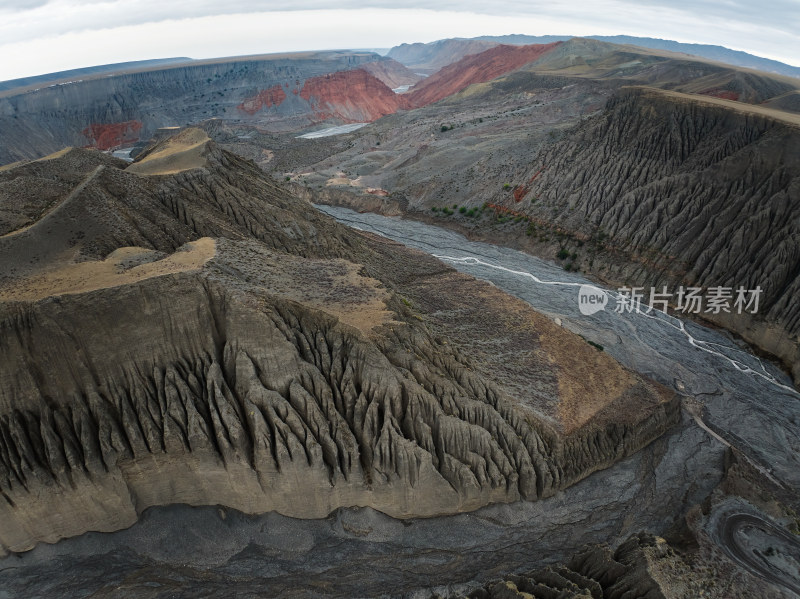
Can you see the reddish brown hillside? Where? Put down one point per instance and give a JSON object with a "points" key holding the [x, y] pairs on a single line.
{"points": [[263, 99], [354, 96], [475, 68], [112, 135]]}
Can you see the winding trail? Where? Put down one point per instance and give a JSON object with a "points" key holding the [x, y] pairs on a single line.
{"points": [[68, 198]]}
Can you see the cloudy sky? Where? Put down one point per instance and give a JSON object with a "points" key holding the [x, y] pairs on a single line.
{"points": [[42, 36]]}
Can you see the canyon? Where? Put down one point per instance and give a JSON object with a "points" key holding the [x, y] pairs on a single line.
{"points": [[612, 159], [117, 110], [355, 364]]}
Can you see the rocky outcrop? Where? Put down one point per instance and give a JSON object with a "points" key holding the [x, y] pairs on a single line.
{"points": [[682, 191], [287, 364], [32, 189], [596, 573], [476, 68]]}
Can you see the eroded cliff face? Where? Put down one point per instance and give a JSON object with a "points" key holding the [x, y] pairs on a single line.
{"points": [[107, 112], [203, 337], [354, 96], [674, 190]]}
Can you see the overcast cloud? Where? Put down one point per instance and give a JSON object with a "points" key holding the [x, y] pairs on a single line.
{"points": [[40, 36]]}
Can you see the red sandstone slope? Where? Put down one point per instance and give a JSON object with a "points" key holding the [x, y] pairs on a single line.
{"points": [[112, 135], [475, 68], [358, 96], [354, 96], [264, 99]]}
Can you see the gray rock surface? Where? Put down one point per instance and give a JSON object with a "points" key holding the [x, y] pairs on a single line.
{"points": [[684, 192], [290, 364], [362, 553]]}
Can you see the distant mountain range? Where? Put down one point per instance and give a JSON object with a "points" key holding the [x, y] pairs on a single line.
{"points": [[434, 55], [719, 53]]}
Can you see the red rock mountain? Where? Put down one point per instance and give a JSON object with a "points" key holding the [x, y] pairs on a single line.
{"points": [[354, 96], [358, 96], [475, 68], [112, 135], [295, 91], [263, 99]]}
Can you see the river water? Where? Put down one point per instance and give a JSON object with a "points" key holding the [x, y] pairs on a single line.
{"points": [[337, 130]]}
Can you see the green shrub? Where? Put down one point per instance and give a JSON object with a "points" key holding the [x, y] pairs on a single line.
{"points": [[463, 209], [568, 266], [562, 254], [506, 186]]}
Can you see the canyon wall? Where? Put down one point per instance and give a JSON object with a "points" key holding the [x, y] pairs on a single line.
{"points": [[108, 112], [670, 189]]}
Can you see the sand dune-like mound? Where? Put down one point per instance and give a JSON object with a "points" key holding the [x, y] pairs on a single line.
{"points": [[179, 153]]}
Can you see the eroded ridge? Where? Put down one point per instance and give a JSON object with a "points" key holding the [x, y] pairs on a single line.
{"points": [[283, 369]]}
